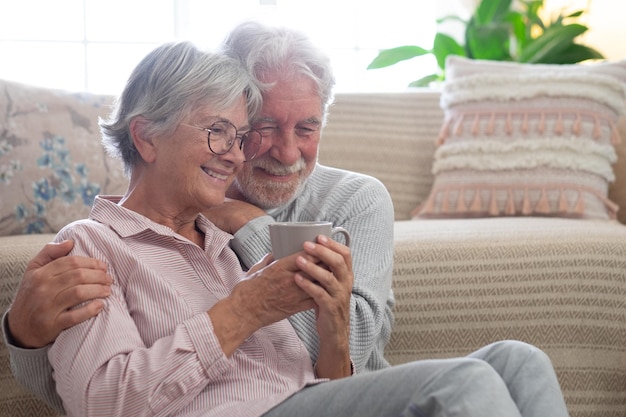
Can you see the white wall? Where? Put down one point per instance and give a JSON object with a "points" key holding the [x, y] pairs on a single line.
{"points": [[607, 31]]}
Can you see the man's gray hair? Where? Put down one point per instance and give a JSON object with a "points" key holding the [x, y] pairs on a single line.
{"points": [[285, 52], [167, 86]]}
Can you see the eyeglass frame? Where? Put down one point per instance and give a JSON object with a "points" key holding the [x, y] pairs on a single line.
{"points": [[241, 137]]}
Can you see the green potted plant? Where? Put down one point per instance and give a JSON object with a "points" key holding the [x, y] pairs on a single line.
{"points": [[501, 30]]}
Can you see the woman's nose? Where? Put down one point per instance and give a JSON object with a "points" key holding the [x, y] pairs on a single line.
{"points": [[234, 155]]}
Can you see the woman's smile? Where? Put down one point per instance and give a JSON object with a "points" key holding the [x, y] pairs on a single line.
{"points": [[217, 175]]}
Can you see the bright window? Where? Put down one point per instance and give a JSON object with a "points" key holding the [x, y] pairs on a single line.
{"points": [[93, 45]]}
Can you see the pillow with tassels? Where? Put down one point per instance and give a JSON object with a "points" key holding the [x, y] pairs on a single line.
{"points": [[526, 140]]}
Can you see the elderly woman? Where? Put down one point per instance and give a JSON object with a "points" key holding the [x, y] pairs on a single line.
{"points": [[186, 332], [178, 334]]}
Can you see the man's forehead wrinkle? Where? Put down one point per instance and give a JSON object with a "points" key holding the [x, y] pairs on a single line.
{"points": [[264, 119]]}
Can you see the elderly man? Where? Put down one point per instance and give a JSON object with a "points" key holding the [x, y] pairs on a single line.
{"points": [[283, 183]]}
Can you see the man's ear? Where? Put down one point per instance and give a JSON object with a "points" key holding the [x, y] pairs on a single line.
{"points": [[142, 141]]}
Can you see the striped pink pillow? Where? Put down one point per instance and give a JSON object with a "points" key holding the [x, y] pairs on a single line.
{"points": [[526, 140]]}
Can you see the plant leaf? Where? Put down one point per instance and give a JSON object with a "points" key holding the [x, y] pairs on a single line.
{"points": [[387, 57], [532, 16], [554, 40], [445, 45], [573, 54], [489, 11], [425, 81], [518, 32], [448, 18], [532, 8], [575, 14], [489, 41], [502, 30]]}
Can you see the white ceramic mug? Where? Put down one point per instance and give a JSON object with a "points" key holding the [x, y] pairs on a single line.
{"points": [[288, 237]]}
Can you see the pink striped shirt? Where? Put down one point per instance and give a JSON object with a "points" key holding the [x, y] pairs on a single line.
{"points": [[152, 350]]}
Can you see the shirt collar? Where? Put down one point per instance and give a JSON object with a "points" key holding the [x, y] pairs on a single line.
{"points": [[127, 223]]}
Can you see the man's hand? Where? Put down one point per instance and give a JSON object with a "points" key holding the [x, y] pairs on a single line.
{"points": [[53, 283], [232, 215], [329, 283]]}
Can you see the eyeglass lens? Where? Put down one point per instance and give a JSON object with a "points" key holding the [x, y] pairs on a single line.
{"points": [[223, 135]]}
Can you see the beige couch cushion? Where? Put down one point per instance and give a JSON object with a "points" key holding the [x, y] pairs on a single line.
{"points": [[389, 136], [559, 284]]}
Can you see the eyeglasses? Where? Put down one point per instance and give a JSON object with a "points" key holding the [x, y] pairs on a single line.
{"points": [[222, 135]]}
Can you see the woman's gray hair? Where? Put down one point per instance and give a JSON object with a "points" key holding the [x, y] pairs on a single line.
{"points": [[167, 86], [265, 50]]}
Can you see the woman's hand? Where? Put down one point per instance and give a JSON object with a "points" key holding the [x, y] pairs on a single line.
{"points": [[268, 294], [267, 259]]}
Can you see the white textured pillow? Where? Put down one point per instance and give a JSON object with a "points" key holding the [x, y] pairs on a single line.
{"points": [[527, 139]]}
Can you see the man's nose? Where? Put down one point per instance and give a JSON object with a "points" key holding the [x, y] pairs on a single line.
{"points": [[285, 147]]}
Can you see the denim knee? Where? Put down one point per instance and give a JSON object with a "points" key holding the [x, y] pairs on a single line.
{"points": [[524, 352]]}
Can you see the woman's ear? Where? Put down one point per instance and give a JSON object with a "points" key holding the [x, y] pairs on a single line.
{"points": [[142, 141]]}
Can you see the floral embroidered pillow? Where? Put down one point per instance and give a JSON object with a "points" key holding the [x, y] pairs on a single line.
{"points": [[526, 140], [52, 162]]}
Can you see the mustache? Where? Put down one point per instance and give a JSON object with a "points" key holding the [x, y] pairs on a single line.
{"points": [[275, 167]]}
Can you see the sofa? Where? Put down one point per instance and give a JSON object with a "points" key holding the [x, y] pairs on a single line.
{"points": [[459, 283]]}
